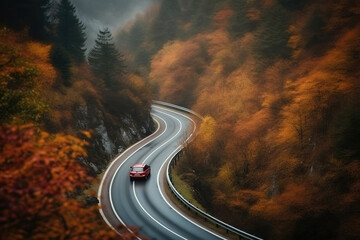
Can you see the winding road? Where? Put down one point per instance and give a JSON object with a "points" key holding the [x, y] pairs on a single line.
{"points": [[144, 204]]}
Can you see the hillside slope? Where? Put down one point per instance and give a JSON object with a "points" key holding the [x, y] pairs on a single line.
{"points": [[56, 136], [115, 120], [278, 81]]}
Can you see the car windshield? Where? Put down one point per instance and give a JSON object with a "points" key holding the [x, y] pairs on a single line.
{"points": [[137, 169]]}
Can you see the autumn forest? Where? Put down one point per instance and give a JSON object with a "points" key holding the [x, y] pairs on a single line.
{"points": [[277, 82], [63, 119]]}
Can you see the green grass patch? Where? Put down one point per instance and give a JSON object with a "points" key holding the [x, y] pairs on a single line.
{"points": [[184, 189]]}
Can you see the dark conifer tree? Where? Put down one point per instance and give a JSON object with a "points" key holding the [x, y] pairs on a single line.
{"points": [[61, 60], [105, 60], [202, 17], [23, 13], [164, 27], [70, 30], [240, 23], [271, 41]]}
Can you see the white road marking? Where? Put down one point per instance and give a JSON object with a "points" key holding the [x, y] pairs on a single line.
{"points": [[168, 161], [158, 175], [113, 177], [166, 141], [181, 127], [153, 217]]}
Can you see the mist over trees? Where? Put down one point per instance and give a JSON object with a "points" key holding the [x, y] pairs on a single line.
{"points": [[277, 153], [277, 80], [70, 39], [21, 13], [106, 61], [70, 31], [52, 107]]}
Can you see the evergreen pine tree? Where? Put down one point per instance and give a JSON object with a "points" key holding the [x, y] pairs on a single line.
{"points": [[105, 60], [24, 13], [240, 23], [200, 16], [61, 60], [271, 41], [164, 27], [70, 30]]}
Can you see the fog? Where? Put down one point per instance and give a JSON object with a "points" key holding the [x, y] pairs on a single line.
{"points": [[113, 14]]}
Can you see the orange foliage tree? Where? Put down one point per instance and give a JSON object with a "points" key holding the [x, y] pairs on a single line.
{"points": [[39, 178], [207, 134], [275, 115], [176, 68]]}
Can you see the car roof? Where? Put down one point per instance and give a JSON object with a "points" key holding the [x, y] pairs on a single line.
{"points": [[139, 165]]}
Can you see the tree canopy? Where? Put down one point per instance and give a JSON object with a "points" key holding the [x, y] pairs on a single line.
{"points": [[106, 61], [164, 27], [70, 31], [19, 99], [20, 14]]}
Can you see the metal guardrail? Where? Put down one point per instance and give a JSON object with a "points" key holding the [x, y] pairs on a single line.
{"points": [[217, 222]]}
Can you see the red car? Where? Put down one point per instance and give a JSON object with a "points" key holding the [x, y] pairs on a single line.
{"points": [[140, 171]]}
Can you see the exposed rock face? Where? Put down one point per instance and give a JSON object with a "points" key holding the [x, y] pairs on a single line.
{"points": [[110, 136]]}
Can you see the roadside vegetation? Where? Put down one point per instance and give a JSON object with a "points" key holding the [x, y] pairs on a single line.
{"points": [[55, 109], [278, 153]]}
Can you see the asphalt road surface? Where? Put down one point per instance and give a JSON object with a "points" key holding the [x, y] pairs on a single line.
{"points": [[144, 204]]}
